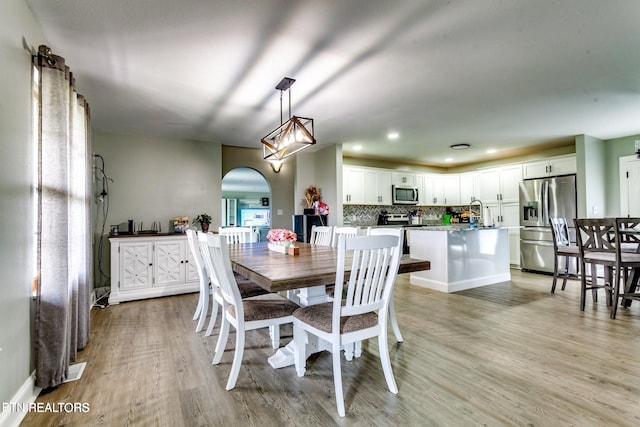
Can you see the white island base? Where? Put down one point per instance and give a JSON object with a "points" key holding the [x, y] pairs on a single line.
{"points": [[460, 258]]}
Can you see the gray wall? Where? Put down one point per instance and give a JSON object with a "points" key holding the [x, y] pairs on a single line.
{"points": [[155, 179], [616, 148], [17, 159], [282, 205]]}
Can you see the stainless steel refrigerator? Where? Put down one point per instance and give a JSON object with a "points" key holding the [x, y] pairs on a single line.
{"points": [[541, 199]]}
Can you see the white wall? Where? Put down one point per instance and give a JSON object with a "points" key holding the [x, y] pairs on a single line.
{"points": [[591, 177], [18, 29], [155, 179]]}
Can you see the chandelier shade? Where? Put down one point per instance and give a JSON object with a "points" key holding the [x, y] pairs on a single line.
{"points": [[287, 139], [291, 136]]}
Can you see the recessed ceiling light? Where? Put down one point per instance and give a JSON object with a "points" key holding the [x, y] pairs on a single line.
{"points": [[393, 135], [357, 147], [491, 150], [462, 146], [448, 159]]}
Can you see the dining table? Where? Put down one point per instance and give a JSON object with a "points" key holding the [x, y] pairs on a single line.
{"points": [[304, 277]]}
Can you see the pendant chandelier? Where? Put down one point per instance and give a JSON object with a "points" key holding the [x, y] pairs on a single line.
{"points": [[291, 136]]}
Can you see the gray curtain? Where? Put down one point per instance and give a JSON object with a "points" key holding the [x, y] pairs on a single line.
{"points": [[64, 220]]}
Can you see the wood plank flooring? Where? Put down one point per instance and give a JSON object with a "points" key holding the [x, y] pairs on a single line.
{"points": [[510, 354]]}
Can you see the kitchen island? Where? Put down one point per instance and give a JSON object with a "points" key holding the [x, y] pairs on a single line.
{"points": [[461, 258]]}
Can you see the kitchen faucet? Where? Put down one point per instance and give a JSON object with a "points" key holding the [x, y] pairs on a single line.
{"points": [[476, 201]]}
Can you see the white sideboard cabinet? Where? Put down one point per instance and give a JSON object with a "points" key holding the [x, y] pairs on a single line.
{"points": [[151, 266]]}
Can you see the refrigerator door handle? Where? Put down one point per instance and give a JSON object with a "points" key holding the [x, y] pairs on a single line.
{"points": [[545, 202]]}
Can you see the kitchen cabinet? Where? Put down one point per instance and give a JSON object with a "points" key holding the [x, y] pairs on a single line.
{"points": [[353, 186], [554, 166], [377, 187], [438, 190], [468, 187], [500, 184], [403, 178], [506, 215], [151, 266]]}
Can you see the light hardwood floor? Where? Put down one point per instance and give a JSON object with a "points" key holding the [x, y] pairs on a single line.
{"points": [[501, 355]]}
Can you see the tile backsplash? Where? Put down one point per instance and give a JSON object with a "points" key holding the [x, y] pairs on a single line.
{"points": [[366, 215]]}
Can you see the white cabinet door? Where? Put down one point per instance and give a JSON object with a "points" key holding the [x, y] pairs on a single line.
{"points": [[353, 180], [426, 194], [489, 185], [170, 263], [535, 169], [467, 187], [451, 189], [510, 178], [403, 178], [384, 187], [437, 182], [562, 165], [136, 265]]}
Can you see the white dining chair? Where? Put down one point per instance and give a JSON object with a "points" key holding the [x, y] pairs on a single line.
{"points": [[321, 235], [399, 233], [236, 234], [202, 309], [346, 231], [361, 315], [246, 287], [269, 310]]}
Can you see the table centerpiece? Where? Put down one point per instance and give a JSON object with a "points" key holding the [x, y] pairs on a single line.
{"points": [[280, 240]]}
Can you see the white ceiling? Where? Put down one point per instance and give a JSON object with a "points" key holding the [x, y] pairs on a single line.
{"points": [[501, 74]]}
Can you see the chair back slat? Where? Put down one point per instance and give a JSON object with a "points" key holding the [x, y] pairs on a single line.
{"points": [[374, 267], [347, 231], [236, 234], [194, 247], [321, 235], [218, 252], [560, 231], [597, 235]]}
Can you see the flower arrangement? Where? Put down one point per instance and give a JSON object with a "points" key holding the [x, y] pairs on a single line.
{"points": [[322, 208], [281, 235], [312, 195]]}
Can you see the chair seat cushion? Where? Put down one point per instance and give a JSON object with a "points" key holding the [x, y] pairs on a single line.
{"points": [[268, 306], [319, 316], [250, 289]]}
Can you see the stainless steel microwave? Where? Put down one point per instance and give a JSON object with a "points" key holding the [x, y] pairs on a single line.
{"points": [[404, 195]]}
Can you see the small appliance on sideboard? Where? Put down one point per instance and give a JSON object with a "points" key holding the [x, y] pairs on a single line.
{"points": [[302, 225]]}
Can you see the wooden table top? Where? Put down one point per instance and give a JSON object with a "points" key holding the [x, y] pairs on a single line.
{"points": [[316, 265]]}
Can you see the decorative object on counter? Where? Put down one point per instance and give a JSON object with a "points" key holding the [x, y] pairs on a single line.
{"points": [[204, 220], [291, 136], [311, 195], [280, 240], [155, 228], [180, 224], [115, 230]]}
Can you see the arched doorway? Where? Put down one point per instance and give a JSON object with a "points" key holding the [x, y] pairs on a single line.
{"points": [[246, 200]]}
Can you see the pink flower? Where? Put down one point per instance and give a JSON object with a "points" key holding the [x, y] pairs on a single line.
{"points": [[281, 235]]}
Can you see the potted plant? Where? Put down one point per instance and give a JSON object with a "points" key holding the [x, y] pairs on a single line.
{"points": [[204, 220]]}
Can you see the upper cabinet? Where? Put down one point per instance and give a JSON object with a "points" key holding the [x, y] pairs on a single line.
{"points": [[403, 178], [438, 189], [353, 180], [468, 187], [377, 187], [553, 166], [499, 184]]}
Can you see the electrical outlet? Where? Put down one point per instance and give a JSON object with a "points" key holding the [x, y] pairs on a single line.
{"points": [[595, 210], [279, 212]]}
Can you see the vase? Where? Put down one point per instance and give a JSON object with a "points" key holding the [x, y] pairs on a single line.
{"points": [[204, 226], [280, 247]]}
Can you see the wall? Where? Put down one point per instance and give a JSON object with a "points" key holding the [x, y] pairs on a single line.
{"points": [[591, 177], [18, 29], [155, 179], [282, 205], [616, 148]]}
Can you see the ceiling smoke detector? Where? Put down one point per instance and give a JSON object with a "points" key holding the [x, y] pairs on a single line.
{"points": [[462, 146]]}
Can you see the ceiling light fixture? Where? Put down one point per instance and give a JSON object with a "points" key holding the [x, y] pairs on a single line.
{"points": [[393, 135], [291, 136], [276, 165], [462, 146]]}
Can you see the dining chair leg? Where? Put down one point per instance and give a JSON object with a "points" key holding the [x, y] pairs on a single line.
{"points": [[348, 351], [566, 272], [394, 321], [583, 288], [204, 310], [357, 349], [198, 308], [555, 274], [337, 379], [383, 345], [222, 338], [237, 359], [616, 293], [300, 342], [212, 319]]}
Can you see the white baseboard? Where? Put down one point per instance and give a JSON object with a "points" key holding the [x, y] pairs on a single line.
{"points": [[26, 395]]}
